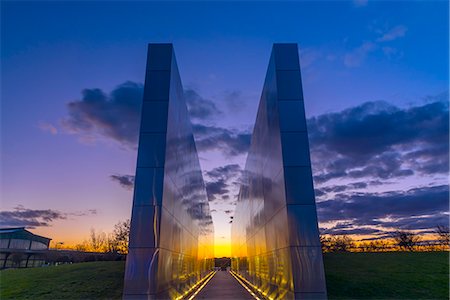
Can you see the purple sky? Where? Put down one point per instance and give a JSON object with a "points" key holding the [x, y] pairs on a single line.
{"points": [[375, 78]]}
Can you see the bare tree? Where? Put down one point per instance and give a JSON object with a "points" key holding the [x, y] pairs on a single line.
{"points": [[342, 244], [406, 240], [443, 236], [98, 242]]}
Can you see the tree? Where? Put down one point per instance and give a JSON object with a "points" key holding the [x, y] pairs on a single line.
{"points": [[406, 240], [336, 243], [443, 236], [325, 242], [121, 235], [81, 247], [98, 242], [342, 244]]}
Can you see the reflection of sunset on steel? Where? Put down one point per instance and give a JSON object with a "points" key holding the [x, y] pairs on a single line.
{"points": [[274, 235], [171, 245]]}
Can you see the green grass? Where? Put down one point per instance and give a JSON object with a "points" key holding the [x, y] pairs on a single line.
{"points": [[349, 276], [397, 275], [90, 280]]}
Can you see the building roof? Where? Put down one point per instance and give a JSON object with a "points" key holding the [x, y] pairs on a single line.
{"points": [[22, 233]]}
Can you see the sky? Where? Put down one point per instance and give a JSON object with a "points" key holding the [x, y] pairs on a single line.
{"points": [[375, 79]]}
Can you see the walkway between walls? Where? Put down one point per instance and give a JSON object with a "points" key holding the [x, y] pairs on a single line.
{"points": [[224, 286]]}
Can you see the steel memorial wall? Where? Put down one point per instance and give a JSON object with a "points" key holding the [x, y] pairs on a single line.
{"points": [[275, 237], [171, 236]]}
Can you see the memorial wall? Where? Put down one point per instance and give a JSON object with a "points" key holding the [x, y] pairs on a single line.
{"points": [[275, 237], [171, 238]]}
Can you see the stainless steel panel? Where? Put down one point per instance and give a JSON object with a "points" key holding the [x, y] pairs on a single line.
{"points": [[286, 57], [295, 149], [308, 273], [293, 113], [299, 185], [140, 263], [153, 152], [155, 113], [168, 174], [303, 229], [159, 57], [157, 85], [148, 186], [142, 235], [267, 226], [289, 85]]}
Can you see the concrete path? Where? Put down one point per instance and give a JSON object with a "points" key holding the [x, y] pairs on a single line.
{"points": [[223, 286]]}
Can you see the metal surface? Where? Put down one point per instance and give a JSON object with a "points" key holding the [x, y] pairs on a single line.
{"points": [[275, 237], [171, 237]]}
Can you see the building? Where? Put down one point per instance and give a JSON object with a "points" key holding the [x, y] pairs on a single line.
{"points": [[19, 248]]}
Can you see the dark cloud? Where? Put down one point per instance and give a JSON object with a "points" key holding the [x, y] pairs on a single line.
{"points": [[199, 107], [125, 181], [341, 188], [32, 218], [352, 231], [115, 115], [216, 189], [419, 222], [230, 142], [411, 209], [225, 172], [221, 180], [379, 140]]}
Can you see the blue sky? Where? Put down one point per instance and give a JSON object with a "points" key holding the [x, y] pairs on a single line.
{"points": [[351, 53]]}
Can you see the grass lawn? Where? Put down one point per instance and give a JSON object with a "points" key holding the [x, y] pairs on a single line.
{"points": [[349, 276], [396, 275], [91, 280]]}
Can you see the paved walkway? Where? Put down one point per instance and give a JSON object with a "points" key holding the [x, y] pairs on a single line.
{"points": [[223, 286]]}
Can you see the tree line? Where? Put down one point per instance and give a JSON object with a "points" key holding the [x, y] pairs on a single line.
{"points": [[114, 242], [400, 240]]}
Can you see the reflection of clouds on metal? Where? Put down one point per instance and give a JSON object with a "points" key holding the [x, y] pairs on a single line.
{"points": [[275, 237], [171, 238]]}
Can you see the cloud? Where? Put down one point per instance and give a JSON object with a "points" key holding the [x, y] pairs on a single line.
{"points": [[352, 231], [341, 188], [199, 107], [380, 141], [359, 54], [125, 181], [229, 141], [220, 181], [32, 218], [399, 209], [216, 189], [47, 127], [224, 172], [393, 34], [115, 116]]}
